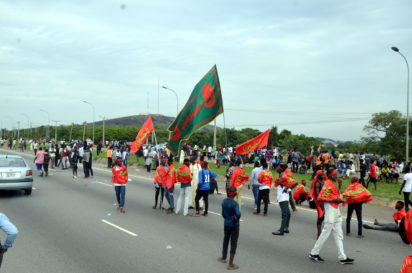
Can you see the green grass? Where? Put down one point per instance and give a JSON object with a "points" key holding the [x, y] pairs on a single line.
{"points": [[385, 190]]}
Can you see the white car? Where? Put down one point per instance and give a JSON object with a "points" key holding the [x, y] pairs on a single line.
{"points": [[15, 174]]}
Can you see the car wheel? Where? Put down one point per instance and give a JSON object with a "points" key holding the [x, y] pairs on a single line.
{"points": [[27, 191]]}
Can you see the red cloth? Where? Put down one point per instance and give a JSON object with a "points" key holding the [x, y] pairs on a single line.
{"points": [[408, 225], [120, 176], [171, 176], [312, 194], [398, 215], [356, 193], [160, 176], [287, 180], [299, 189], [329, 191], [183, 174], [372, 172], [143, 134], [253, 144], [266, 178], [238, 177], [407, 265]]}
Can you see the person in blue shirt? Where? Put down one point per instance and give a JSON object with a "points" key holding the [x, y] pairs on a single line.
{"points": [[231, 214], [203, 188], [11, 232]]}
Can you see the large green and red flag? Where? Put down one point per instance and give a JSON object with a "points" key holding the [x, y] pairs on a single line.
{"points": [[253, 144], [143, 134], [203, 106]]}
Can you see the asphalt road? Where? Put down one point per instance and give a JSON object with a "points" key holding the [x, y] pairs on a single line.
{"points": [[69, 225]]}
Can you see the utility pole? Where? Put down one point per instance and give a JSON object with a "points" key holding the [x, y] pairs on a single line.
{"points": [[71, 132], [84, 130], [104, 119], [214, 137], [55, 129], [18, 129]]}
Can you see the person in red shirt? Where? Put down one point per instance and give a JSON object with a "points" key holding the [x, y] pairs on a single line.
{"points": [[407, 265], [184, 176], [119, 179], [372, 175], [265, 180], [315, 189], [160, 180], [238, 178], [300, 194], [330, 196], [170, 185], [397, 218]]}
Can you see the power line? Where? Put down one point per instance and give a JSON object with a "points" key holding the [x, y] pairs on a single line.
{"points": [[297, 112], [301, 122]]}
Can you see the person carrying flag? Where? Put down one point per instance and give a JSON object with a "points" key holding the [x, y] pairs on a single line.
{"points": [[184, 177], [160, 182], [170, 185], [119, 179], [238, 178], [355, 195], [330, 196], [265, 180], [203, 188]]}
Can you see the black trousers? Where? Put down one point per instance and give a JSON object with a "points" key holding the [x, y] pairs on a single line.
{"points": [[109, 162], [407, 201], [295, 166], [284, 206], [232, 235], [46, 167], [357, 207], [86, 169], [263, 195], [157, 194], [205, 195]]}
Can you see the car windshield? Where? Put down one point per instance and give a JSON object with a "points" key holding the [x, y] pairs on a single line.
{"points": [[12, 162]]}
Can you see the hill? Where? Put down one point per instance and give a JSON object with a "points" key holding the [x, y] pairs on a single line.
{"points": [[159, 121]]}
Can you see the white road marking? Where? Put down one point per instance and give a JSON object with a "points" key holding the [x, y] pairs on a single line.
{"points": [[104, 184], [34, 188], [119, 228]]}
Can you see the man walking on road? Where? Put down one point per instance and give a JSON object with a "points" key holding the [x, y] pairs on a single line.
{"points": [[203, 188], [406, 188], [254, 182], [170, 185], [119, 179], [184, 177], [11, 232], [238, 178], [265, 180], [231, 214], [330, 196]]}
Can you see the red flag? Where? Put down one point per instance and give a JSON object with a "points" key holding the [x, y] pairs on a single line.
{"points": [[356, 193], [143, 134], [253, 144]]}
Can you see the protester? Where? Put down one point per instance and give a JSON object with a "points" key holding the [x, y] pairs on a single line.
{"points": [[315, 189], [46, 160], [86, 160], [195, 168], [7, 226], [75, 160], [372, 174], [362, 172], [109, 157], [330, 196], [300, 195], [119, 179], [254, 182], [184, 177], [203, 188], [229, 172], [52, 156], [231, 214], [355, 195], [170, 185], [238, 178], [160, 181], [397, 218], [283, 200], [39, 160], [265, 180], [406, 188]]}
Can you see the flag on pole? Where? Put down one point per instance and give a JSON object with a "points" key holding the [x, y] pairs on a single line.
{"points": [[203, 106], [253, 144], [143, 134]]}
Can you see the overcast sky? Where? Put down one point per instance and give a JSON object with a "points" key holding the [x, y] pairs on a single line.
{"points": [[314, 67]]}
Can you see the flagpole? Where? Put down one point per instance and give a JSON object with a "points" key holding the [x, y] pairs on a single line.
{"points": [[160, 173], [224, 128]]}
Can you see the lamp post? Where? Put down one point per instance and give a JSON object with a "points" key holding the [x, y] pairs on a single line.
{"points": [[48, 124], [28, 121], [407, 104], [177, 98], [103, 141], [55, 129], [93, 115]]}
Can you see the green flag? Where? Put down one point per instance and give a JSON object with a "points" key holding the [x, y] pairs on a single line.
{"points": [[203, 106]]}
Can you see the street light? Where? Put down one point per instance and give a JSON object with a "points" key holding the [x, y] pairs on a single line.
{"points": [[48, 126], [177, 98], [407, 104], [28, 121], [93, 115]]}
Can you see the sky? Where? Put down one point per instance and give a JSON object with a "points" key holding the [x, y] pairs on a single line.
{"points": [[319, 68]]}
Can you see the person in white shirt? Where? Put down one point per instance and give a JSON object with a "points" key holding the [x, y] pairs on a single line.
{"points": [[81, 153], [209, 152], [253, 180], [283, 200], [351, 170], [195, 168], [406, 187]]}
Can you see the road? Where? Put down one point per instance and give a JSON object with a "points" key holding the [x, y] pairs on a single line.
{"points": [[69, 225]]}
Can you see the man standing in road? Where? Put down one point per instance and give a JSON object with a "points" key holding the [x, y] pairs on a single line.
{"points": [[231, 214], [406, 188], [265, 180], [11, 232], [254, 182], [86, 159], [39, 160], [184, 177], [238, 178], [203, 188], [119, 179], [170, 185], [330, 196]]}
